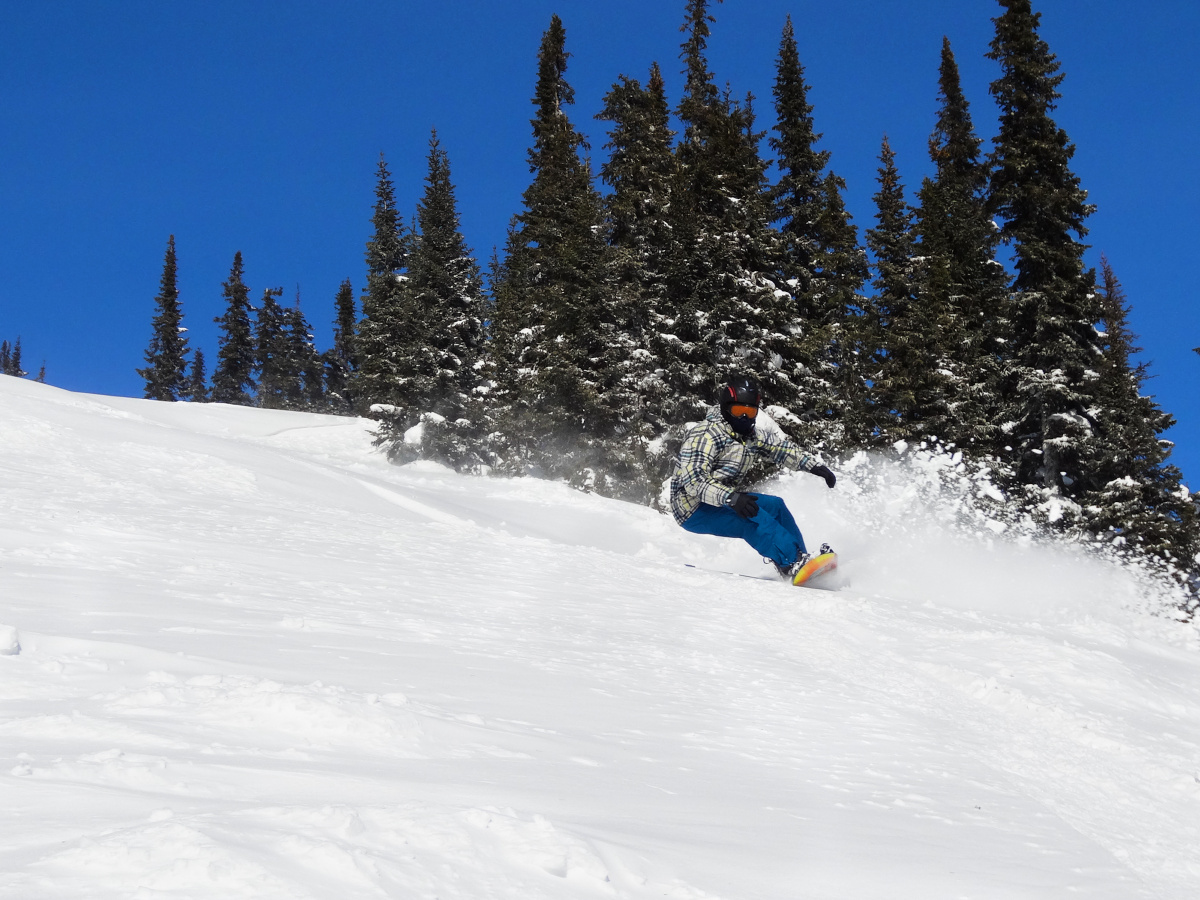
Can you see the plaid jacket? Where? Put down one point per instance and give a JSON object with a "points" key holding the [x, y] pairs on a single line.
{"points": [[713, 461]]}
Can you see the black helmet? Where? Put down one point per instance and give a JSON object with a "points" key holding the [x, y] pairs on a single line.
{"points": [[741, 394], [742, 390]]}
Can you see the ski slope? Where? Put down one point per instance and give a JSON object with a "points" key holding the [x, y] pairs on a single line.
{"points": [[241, 656]]}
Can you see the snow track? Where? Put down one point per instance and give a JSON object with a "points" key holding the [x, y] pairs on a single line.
{"points": [[241, 656]]}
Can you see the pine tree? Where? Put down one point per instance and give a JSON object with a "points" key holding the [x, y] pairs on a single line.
{"points": [[166, 357], [447, 359], [640, 171], [1139, 499], [10, 362], [552, 316], [448, 294], [301, 372], [197, 390], [961, 277], [798, 196], [819, 259], [730, 312], [841, 268], [274, 371], [910, 387], [1053, 345], [233, 379], [691, 368], [383, 331], [341, 360], [10, 359]]}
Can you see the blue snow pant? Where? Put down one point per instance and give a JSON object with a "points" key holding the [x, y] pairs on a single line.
{"points": [[772, 532]]}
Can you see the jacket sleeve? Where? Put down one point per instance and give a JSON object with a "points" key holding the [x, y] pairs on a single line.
{"points": [[697, 461], [783, 453]]}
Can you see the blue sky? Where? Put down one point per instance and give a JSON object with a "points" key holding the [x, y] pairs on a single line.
{"points": [[257, 126]]}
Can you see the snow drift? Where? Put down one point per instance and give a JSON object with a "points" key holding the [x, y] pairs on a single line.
{"points": [[242, 656]]}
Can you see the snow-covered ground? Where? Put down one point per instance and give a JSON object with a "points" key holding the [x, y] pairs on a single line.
{"points": [[242, 656]]}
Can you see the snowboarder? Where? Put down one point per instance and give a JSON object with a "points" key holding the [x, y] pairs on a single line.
{"points": [[706, 495]]}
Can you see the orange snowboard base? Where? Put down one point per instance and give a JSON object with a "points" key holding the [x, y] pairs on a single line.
{"points": [[815, 568]]}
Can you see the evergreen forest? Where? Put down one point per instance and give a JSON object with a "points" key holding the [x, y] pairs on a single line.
{"points": [[963, 321]]}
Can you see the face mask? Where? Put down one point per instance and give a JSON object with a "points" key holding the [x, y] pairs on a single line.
{"points": [[743, 425]]}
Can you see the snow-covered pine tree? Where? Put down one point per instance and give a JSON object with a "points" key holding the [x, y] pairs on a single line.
{"points": [[820, 259], [907, 326], [1139, 499], [730, 312], [842, 271], [166, 357], [640, 171], [233, 379], [553, 317], [448, 275], [962, 278], [383, 331], [692, 368], [197, 389], [1052, 310], [797, 196], [304, 379], [796, 209], [341, 359], [272, 368], [449, 368], [448, 292]]}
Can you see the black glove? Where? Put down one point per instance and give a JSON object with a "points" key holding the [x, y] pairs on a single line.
{"points": [[823, 472], [745, 505]]}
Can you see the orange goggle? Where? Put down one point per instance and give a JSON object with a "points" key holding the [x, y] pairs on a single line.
{"points": [[737, 410]]}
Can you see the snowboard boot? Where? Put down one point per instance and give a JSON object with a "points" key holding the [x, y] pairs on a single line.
{"points": [[787, 573]]}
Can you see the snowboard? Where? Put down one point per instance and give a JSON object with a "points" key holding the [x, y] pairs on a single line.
{"points": [[813, 571]]}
